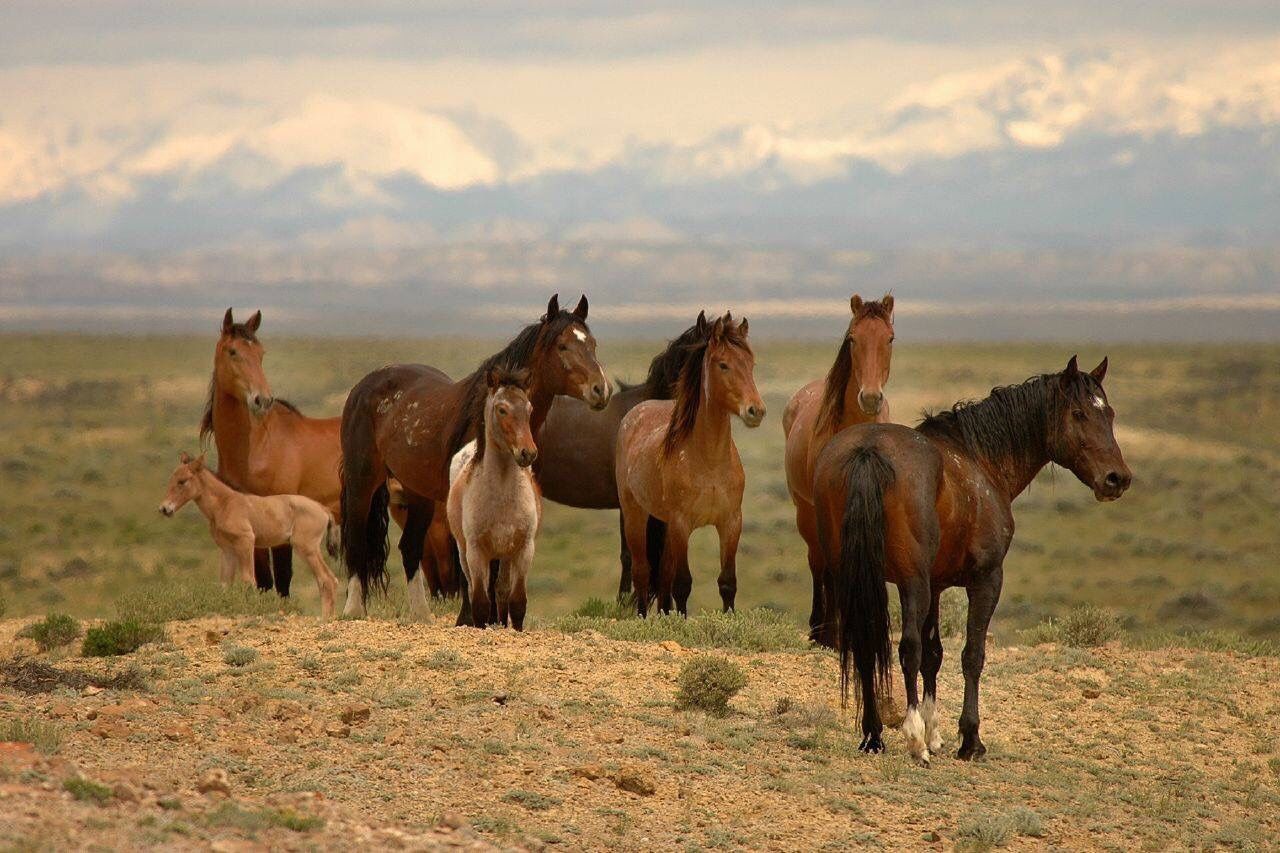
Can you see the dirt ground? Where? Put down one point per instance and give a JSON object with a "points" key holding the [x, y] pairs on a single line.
{"points": [[420, 736]]}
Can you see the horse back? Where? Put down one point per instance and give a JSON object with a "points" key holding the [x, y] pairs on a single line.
{"points": [[412, 409]]}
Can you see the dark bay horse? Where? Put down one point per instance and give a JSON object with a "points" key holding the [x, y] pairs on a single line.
{"points": [[676, 462], [576, 445], [852, 393], [408, 420], [930, 508], [265, 445]]}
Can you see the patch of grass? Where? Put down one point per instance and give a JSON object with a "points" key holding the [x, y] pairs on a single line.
{"points": [[30, 676], [757, 630], [1208, 640], [239, 656], [604, 608], [708, 682], [531, 800], [56, 629], [168, 601], [41, 734], [444, 660], [1083, 627], [119, 638], [311, 665], [983, 831], [86, 790], [234, 816]]}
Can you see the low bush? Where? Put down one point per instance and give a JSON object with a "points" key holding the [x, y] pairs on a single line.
{"points": [[239, 656], [119, 638], [56, 629], [88, 790], [168, 601], [1083, 627], [41, 734], [756, 630], [983, 831], [708, 682]]}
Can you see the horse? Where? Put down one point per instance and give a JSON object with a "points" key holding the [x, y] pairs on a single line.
{"points": [[408, 420], [852, 393], [494, 506], [436, 568], [930, 508], [676, 462], [576, 446], [242, 522]]}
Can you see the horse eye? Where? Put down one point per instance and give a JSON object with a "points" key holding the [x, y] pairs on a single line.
{"points": [[1079, 414], [724, 365], [232, 352], [502, 410], [892, 338]]}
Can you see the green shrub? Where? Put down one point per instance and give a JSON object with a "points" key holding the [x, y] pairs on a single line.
{"points": [[119, 638], [982, 831], [56, 629], [43, 735], [168, 601], [1083, 627], [756, 630], [88, 790], [531, 800], [253, 820], [601, 608], [445, 660], [1209, 640], [708, 682], [239, 656]]}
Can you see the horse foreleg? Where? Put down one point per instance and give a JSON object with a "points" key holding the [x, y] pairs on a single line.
{"points": [[517, 598], [243, 550], [624, 558], [635, 524], [983, 595], [477, 562], [262, 568], [930, 663], [674, 580], [226, 565], [730, 532], [412, 538], [913, 593]]}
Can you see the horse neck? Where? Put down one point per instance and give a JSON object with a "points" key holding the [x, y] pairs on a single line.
{"points": [[232, 430], [498, 462], [1014, 470], [712, 432], [213, 494]]}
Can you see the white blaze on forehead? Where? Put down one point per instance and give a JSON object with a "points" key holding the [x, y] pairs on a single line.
{"points": [[1099, 403], [580, 335]]}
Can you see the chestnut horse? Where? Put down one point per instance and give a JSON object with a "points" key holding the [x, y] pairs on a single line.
{"points": [[852, 393], [576, 446], [265, 445], [676, 462], [408, 420], [494, 507], [930, 508]]}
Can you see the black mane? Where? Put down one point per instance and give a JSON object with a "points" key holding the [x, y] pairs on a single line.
{"points": [[664, 370]]}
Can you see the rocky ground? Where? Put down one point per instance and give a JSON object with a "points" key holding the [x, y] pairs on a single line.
{"points": [[284, 732]]}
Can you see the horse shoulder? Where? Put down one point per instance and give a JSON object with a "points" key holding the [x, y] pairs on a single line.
{"points": [[805, 400]]}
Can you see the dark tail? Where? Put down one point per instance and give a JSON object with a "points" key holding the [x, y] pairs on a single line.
{"points": [[282, 568], [861, 603], [364, 493]]}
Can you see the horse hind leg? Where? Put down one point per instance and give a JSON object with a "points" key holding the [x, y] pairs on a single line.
{"points": [[930, 663], [282, 568], [325, 581], [412, 538], [914, 596], [262, 568]]}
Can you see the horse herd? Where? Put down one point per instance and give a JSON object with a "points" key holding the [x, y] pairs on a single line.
{"points": [[463, 466]]}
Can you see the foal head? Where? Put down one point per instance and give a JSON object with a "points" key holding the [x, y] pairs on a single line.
{"points": [[863, 359], [569, 365], [507, 411], [1081, 436], [237, 363], [184, 484]]}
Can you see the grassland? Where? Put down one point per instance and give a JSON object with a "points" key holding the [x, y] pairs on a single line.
{"points": [[90, 428]]}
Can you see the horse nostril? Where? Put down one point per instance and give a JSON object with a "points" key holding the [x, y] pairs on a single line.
{"points": [[597, 389], [1112, 480]]}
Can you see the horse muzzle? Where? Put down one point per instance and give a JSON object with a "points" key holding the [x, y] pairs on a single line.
{"points": [[870, 402], [597, 396], [166, 510], [1112, 485], [525, 456], [752, 415]]}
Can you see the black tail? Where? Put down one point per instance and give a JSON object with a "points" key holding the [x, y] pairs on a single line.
{"points": [[861, 603], [364, 492]]}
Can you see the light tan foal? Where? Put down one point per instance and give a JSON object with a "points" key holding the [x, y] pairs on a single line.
{"points": [[240, 522]]}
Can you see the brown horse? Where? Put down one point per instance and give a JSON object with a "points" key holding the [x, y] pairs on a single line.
{"points": [[437, 568], [265, 445], [408, 420], [853, 393], [576, 446], [930, 508], [495, 509], [676, 462]]}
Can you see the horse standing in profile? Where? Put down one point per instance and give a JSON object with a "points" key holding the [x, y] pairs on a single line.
{"points": [[852, 393], [265, 445], [577, 447], [494, 506], [408, 420], [930, 508], [241, 522], [676, 462]]}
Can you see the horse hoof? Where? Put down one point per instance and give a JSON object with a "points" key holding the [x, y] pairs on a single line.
{"points": [[872, 745], [971, 753]]}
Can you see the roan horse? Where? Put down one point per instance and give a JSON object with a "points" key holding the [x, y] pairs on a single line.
{"points": [[676, 462], [494, 506], [239, 522], [852, 393], [930, 508], [265, 445], [408, 420], [576, 447]]}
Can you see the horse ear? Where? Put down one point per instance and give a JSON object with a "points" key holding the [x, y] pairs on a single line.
{"points": [[197, 464], [254, 322], [581, 311], [855, 304], [1073, 369], [887, 302], [702, 322], [1100, 371], [553, 307], [227, 322], [742, 327], [491, 378], [184, 457], [522, 378]]}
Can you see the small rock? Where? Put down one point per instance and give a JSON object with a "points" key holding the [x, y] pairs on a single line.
{"points": [[215, 780], [590, 772], [110, 728], [336, 730], [179, 732], [1091, 693], [452, 820], [354, 714], [125, 792], [546, 714], [671, 646], [635, 780], [393, 737], [500, 699], [285, 710], [932, 837], [91, 690]]}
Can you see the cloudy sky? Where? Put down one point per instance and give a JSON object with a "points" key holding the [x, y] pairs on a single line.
{"points": [[132, 127]]}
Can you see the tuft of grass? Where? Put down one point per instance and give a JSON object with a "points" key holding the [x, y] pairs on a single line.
{"points": [[54, 630], [239, 656], [755, 630], [33, 676], [119, 638], [531, 800], [444, 660], [41, 734], [708, 682], [1083, 627], [1208, 640], [983, 831], [234, 816], [86, 790], [604, 608], [168, 601]]}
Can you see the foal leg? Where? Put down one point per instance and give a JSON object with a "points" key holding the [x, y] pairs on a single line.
{"points": [[930, 663], [226, 565], [243, 549], [325, 580], [730, 532], [417, 520], [914, 596], [282, 568], [478, 584], [517, 597], [983, 595]]}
